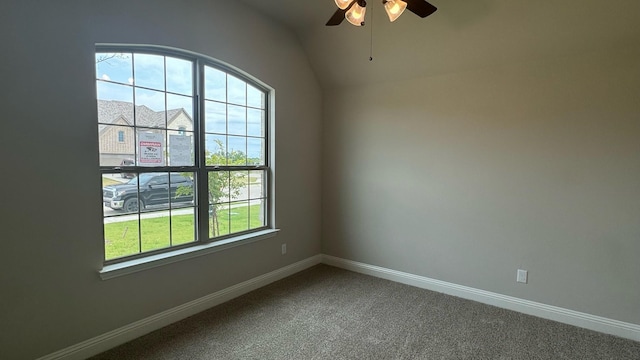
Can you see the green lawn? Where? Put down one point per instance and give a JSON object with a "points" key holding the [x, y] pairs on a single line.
{"points": [[126, 238]]}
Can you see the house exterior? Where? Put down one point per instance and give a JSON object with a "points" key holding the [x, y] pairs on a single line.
{"points": [[116, 128]]}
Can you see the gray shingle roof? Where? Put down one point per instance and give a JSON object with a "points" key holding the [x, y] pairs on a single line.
{"points": [[111, 110]]}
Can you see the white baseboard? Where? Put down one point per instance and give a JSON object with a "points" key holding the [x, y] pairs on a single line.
{"points": [[127, 333], [571, 317]]}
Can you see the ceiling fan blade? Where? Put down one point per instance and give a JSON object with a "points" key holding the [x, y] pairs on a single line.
{"points": [[420, 7], [337, 18]]}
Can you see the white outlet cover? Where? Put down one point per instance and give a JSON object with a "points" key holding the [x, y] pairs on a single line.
{"points": [[521, 276]]}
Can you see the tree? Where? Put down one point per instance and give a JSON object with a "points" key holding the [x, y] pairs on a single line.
{"points": [[221, 185], [102, 57]]}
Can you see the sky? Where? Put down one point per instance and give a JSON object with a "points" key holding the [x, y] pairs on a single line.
{"points": [[231, 105]]}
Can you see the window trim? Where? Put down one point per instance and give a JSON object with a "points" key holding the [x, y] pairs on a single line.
{"points": [[180, 254], [203, 244]]}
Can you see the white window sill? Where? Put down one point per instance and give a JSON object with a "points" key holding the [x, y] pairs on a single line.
{"points": [[149, 262]]}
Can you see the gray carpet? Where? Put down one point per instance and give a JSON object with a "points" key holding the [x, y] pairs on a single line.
{"points": [[329, 313]]}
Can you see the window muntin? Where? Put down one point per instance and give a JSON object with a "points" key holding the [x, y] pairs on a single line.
{"points": [[167, 129]]}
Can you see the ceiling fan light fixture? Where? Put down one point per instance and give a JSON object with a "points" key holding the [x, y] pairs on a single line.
{"points": [[355, 9], [355, 15], [343, 4], [394, 8]]}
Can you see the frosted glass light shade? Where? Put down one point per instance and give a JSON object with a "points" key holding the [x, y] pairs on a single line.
{"points": [[355, 15], [394, 8], [343, 4]]}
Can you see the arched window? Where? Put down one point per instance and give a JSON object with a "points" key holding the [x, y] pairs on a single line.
{"points": [[201, 165]]}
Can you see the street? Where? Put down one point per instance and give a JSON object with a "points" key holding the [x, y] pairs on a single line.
{"points": [[112, 216]]}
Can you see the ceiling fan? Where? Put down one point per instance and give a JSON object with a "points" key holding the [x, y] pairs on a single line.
{"points": [[354, 10]]}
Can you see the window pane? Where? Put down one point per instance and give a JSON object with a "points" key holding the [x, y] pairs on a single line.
{"points": [[218, 187], [154, 191], [257, 211], [183, 226], [155, 231], [179, 76], [116, 178], [115, 190], [179, 112], [150, 109], [257, 198], [237, 90], [117, 92], [237, 150], [256, 184], [255, 97], [149, 71], [182, 208], [114, 67], [181, 148], [215, 84], [112, 150], [218, 220], [181, 190], [219, 194], [215, 150], [239, 216], [121, 237], [120, 196], [239, 185], [150, 147], [255, 151], [215, 117], [237, 120], [255, 122]]}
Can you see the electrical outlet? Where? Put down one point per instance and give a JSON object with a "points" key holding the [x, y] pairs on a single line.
{"points": [[284, 249], [521, 277]]}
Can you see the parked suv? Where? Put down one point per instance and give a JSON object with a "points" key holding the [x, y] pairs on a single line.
{"points": [[154, 189]]}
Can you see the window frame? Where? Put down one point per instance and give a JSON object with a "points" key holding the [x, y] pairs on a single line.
{"points": [[203, 240]]}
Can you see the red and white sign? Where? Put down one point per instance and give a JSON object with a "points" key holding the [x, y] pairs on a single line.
{"points": [[151, 149]]}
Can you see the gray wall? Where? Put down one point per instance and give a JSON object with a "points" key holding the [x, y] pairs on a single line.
{"points": [[51, 294], [466, 177]]}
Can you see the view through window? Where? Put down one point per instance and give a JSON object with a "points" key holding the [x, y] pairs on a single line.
{"points": [[183, 151]]}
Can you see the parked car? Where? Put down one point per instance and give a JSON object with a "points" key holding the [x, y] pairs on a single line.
{"points": [[148, 189], [126, 163]]}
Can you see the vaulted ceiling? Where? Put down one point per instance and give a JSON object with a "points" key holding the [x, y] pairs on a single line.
{"points": [[462, 35]]}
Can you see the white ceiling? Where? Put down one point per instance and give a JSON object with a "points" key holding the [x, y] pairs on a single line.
{"points": [[462, 35]]}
